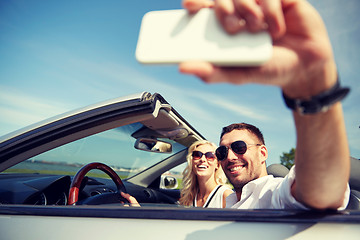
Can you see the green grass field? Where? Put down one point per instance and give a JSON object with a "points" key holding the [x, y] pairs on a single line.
{"points": [[98, 174], [52, 172]]}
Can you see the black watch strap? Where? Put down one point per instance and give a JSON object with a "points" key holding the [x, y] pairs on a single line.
{"points": [[319, 103]]}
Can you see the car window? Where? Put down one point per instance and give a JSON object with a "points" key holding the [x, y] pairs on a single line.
{"points": [[114, 147]]}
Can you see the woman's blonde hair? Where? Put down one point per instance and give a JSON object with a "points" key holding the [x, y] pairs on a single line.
{"points": [[190, 182]]}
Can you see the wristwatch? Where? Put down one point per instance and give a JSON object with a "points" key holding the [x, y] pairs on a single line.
{"points": [[318, 103]]}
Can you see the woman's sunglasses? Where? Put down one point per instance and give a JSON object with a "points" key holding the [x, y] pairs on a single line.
{"points": [[196, 155], [238, 147]]}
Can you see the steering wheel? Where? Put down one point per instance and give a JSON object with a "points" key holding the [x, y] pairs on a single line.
{"points": [[76, 182]]}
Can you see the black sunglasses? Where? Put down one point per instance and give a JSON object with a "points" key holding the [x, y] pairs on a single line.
{"points": [[196, 155], [238, 147]]}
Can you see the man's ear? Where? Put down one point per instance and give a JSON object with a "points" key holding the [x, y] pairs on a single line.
{"points": [[263, 153]]}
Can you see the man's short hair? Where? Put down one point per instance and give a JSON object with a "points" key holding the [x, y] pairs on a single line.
{"points": [[244, 126]]}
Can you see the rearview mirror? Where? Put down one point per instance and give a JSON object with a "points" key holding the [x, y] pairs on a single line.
{"points": [[153, 145]]}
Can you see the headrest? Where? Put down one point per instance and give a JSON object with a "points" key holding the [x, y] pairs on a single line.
{"points": [[277, 170], [354, 180]]}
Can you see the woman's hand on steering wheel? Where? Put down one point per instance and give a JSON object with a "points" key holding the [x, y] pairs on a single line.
{"points": [[132, 201]]}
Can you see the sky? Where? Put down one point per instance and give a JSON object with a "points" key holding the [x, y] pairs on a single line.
{"points": [[56, 56]]}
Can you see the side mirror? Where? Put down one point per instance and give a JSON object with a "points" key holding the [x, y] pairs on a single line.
{"points": [[153, 145], [168, 182]]}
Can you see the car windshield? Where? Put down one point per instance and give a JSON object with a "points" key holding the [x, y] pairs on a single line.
{"points": [[114, 147]]}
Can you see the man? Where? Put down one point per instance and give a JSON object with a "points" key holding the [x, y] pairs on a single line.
{"points": [[303, 66], [242, 154]]}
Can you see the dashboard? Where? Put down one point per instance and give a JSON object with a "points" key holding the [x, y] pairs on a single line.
{"points": [[39, 189], [34, 189]]}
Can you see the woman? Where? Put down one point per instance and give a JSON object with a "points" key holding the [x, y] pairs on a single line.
{"points": [[203, 178]]}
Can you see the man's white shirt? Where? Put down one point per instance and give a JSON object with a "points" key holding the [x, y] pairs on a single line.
{"points": [[271, 193]]}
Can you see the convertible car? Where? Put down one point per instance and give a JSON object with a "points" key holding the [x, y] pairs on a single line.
{"points": [[61, 178]]}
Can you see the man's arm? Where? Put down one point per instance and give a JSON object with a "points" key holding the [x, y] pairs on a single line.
{"points": [[302, 66], [322, 159]]}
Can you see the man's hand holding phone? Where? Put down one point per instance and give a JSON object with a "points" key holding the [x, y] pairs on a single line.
{"points": [[302, 62]]}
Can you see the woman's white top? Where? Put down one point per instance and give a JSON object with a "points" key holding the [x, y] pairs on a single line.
{"points": [[215, 198]]}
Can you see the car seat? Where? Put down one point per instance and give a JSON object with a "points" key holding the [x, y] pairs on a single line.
{"points": [[354, 181]]}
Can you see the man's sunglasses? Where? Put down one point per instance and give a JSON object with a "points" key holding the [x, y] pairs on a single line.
{"points": [[196, 155], [238, 147]]}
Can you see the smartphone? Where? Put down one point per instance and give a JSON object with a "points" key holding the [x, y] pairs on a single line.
{"points": [[173, 36]]}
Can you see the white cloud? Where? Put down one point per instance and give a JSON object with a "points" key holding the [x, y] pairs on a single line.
{"points": [[237, 109], [18, 109]]}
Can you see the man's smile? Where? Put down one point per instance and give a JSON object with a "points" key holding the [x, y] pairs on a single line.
{"points": [[235, 168]]}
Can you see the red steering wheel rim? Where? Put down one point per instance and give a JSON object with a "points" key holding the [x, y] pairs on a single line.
{"points": [[76, 182]]}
